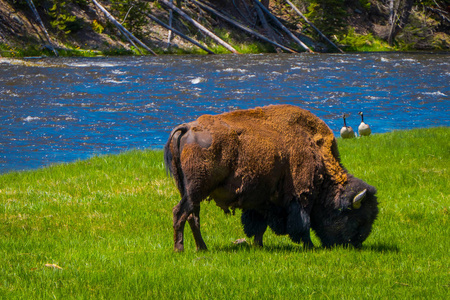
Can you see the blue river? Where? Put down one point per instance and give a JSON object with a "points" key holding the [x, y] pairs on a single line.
{"points": [[57, 110]]}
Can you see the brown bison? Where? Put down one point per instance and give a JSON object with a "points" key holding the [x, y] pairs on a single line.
{"points": [[280, 165]]}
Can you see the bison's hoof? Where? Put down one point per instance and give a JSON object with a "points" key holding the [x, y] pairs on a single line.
{"points": [[178, 248]]}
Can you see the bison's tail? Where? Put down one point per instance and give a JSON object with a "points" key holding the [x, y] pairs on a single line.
{"points": [[172, 154]]}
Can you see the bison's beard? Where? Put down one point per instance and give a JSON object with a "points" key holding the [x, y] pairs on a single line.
{"points": [[346, 225]]}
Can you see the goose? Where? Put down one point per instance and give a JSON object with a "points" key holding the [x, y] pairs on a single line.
{"points": [[346, 131], [363, 128]]}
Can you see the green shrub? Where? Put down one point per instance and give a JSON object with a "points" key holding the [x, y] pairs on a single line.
{"points": [[62, 19], [359, 42], [97, 27]]}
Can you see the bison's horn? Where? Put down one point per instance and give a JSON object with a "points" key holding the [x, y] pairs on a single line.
{"points": [[358, 199]]}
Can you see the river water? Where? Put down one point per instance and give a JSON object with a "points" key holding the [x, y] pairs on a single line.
{"points": [[62, 109]]}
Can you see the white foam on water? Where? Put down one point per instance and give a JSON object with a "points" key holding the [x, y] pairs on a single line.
{"points": [[30, 118], [93, 64], [197, 80], [113, 81], [234, 70], [437, 93]]}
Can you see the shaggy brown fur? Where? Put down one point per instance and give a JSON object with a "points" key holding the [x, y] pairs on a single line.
{"points": [[275, 158]]}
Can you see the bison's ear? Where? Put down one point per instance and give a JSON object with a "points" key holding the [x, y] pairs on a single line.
{"points": [[358, 199]]}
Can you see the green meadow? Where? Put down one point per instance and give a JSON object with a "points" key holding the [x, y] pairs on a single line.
{"points": [[102, 228]]}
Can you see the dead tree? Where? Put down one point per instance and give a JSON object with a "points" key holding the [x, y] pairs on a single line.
{"points": [[279, 24], [199, 26], [240, 26], [398, 18], [155, 19], [41, 24], [312, 25], [122, 29]]}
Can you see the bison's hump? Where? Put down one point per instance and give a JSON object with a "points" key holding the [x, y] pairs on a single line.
{"points": [[297, 128]]}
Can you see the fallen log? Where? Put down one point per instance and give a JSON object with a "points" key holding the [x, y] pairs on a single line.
{"points": [[126, 33], [149, 15], [240, 26], [296, 39], [130, 40], [264, 22], [312, 25], [200, 26], [39, 20]]}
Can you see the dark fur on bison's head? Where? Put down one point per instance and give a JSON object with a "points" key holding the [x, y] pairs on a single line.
{"points": [[351, 222]]}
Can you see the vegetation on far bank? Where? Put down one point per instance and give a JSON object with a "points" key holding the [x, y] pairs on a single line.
{"points": [[79, 28], [102, 228]]}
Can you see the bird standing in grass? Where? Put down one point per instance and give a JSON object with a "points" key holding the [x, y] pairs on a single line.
{"points": [[363, 128], [346, 131]]}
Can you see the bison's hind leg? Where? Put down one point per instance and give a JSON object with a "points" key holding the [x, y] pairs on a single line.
{"points": [[298, 225], [181, 213], [194, 222], [184, 211], [255, 225]]}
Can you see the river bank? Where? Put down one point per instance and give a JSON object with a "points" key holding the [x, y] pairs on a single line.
{"points": [[80, 28]]}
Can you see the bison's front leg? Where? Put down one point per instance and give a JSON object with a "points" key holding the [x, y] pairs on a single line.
{"points": [[298, 225], [194, 222], [181, 212], [254, 225]]}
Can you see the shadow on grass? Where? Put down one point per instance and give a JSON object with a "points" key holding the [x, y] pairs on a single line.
{"points": [[382, 248], [267, 248]]}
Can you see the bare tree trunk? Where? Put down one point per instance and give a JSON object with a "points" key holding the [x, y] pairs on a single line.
{"points": [[177, 32], [402, 15], [391, 12], [200, 26], [38, 18], [125, 32], [312, 25], [264, 22], [240, 26], [296, 39], [169, 37], [391, 21]]}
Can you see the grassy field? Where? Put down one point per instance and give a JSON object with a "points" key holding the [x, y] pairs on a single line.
{"points": [[102, 228]]}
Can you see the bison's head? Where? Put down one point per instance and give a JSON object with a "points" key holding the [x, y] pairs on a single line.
{"points": [[351, 222]]}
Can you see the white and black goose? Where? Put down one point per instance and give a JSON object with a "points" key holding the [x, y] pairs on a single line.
{"points": [[346, 131], [363, 128]]}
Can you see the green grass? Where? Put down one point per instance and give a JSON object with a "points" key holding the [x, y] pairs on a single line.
{"points": [[107, 222], [354, 42]]}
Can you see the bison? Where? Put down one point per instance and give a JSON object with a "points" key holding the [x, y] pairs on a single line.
{"points": [[280, 164]]}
